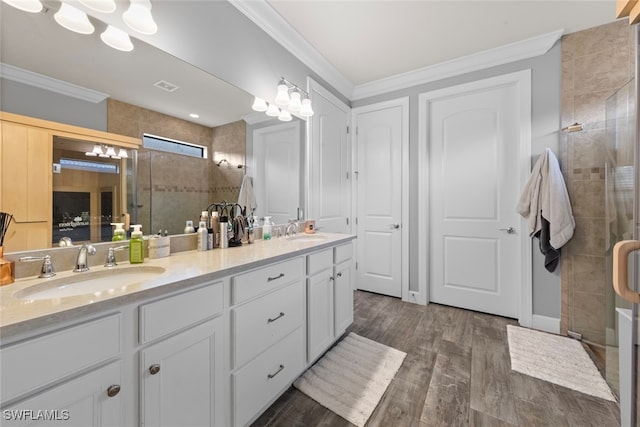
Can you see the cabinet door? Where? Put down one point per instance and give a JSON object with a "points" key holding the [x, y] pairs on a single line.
{"points": [[93, 399], [319, 313], [182, 379], [343, 296], [26, 185]]}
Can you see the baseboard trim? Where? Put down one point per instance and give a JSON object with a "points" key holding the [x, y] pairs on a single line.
{"points": [[545, 323]]}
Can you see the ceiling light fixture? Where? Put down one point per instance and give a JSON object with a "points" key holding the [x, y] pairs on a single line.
{"points": [[194, 116], [32, 6], [103, 6], [138, 17], [73, 19], [117, 39]]}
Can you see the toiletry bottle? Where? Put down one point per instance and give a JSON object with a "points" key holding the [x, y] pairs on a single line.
{"points": [[189, 228], [266, 228], [204, 216], [202, 236], [215, 227], [136, 245], [118, 233], [224, 232]]}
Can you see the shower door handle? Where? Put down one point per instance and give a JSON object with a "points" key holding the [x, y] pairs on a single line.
{"points": [[621, 253]]}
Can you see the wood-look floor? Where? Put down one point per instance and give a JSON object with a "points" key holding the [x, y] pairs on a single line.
{"points": [[457, 373]]}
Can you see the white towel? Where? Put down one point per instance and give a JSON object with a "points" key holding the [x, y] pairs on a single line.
{"points": [[545, 195], [246, 197]]}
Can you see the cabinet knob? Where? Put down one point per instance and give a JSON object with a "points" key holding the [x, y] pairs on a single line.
{"points": [[339, 274], [113, 390], [154, 369]]}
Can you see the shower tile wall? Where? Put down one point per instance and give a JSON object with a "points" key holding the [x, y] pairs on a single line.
{"points": [[182, 186], [595, 63]]}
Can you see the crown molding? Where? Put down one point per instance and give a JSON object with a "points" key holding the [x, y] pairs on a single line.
{"points": [[41, 81], [524, 49], [265, 17]]}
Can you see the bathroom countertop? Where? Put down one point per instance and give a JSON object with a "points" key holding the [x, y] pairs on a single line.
{"points": [[182, 270]]}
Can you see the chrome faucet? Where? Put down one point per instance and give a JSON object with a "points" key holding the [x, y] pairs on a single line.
{"points": [[292, 228], [111, 256], [81, 261]]}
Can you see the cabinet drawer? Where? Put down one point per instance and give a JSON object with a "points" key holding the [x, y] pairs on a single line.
{"points": [[344, 252], [256, 282], [260, 323], [40, 361], [319, 261], [175, 312], [258, 383]]}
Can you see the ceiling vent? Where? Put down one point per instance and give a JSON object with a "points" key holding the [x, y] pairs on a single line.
{"points": [[165, 85]]}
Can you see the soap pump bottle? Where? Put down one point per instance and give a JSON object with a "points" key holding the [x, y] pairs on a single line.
{"points": [[118, 232], [136, 245], [266, 228]]}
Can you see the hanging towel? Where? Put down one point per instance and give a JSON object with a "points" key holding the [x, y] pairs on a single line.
{"points": [[545, 196], [246, 197]]}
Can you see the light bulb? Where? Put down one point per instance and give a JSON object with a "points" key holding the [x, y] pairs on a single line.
{"points": [[273, 111], [33, 6], [97, 150], [138, 17], [73, 19], [117, 39], [259, 104], [282, 98], [284, 116], [295, 103], [305, 109], [103, 6]]}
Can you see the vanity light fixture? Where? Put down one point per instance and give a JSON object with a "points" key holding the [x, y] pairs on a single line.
{"points": [[273, 111], [103, 6], [284, 116], [32, 6], [295, 103], [259, 104], [107, 151], [305, 109], [122, 154], [73, 19], [290, 97], [138, 17], [117, 39], [282, 97], [110, 152]]}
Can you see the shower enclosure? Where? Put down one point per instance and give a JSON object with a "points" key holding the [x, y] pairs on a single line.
{"points": [[621, 223]]}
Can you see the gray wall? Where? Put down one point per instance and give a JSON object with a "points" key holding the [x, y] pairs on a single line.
{"points": [[545, 125], [31, 101]]}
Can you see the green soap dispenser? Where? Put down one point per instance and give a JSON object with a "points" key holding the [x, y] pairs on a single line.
{"points": [[118, 232], [136, 245]]}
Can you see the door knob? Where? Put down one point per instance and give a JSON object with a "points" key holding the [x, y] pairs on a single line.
{"points": [[154, 369], [113, 390], [621, 253], [395, 226], [509, 230]]}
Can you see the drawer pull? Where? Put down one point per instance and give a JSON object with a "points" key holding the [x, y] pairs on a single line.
{"points": [[275, 318], [154, 369], [276, 372], [279, 276], [113, 390]]}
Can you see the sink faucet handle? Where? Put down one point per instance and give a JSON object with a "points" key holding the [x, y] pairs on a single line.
{"points": [[46, 270], [111, 255]]}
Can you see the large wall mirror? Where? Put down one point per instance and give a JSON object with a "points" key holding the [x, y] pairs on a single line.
{"points": [[171, 188]]}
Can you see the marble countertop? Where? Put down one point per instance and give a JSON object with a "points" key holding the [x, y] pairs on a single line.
{"points": [[184, 269]]}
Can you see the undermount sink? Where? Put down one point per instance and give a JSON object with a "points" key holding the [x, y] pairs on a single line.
{"points": [[306, 237], [89, 283]]}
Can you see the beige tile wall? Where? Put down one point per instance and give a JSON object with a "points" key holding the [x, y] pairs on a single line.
{"points": [[595, 63], [181, 186]]}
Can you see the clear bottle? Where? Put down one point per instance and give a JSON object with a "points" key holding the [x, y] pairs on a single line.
{"points": [[118, 232], [267, 227], [202, 236], [136, 245]]}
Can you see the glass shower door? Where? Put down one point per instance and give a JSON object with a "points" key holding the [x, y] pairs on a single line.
{"points": [[621, 211]]}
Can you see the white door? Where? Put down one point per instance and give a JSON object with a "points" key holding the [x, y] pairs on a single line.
{"points": [[380, 139], [276, 180], [475, 234], [329, 162]]}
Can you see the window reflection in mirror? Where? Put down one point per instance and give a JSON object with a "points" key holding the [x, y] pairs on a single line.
{"points": [[89, 190]]}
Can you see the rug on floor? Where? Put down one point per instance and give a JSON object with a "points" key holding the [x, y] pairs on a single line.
{"points": [[351, 378], [557, 359]]}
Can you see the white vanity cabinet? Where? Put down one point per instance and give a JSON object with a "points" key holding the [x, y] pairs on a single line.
{"points": [[267, 336], [48, 377], [329, 297], [182, 376]]}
